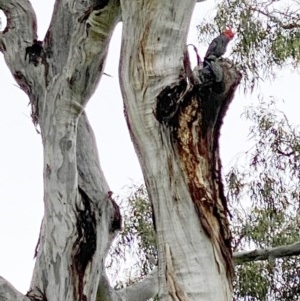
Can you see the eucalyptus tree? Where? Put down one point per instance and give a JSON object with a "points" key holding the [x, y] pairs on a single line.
{"points": [[268, 40], [174, 119], [263, 194], [268, 35]]}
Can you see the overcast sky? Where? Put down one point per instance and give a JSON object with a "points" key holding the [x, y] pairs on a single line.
{"points": [[21, 186]]}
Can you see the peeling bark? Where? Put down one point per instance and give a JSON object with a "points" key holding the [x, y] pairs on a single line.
{"points": [[174, 124], [195, 133]]}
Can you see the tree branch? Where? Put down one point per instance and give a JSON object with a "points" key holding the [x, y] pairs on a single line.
{"points": [[106, 292], [264, 254], [89, 50], [9, 293], [148, 287], [88, 27], [90, 174], [277, 20], [142, 290], [21, 27], [16, 38]]}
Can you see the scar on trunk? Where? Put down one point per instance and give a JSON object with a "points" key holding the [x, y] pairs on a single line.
{"points": [[85, 244]]}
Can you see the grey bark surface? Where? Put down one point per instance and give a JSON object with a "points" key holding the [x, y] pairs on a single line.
{"points": [[179, 157], [8, 292], [180, 161], [267, 254], [76, 228]]}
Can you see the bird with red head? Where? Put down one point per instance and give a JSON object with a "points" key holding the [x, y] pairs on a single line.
{"points": [[228, 33], [218, 46]]}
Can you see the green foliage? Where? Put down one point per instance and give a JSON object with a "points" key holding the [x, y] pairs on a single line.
{"points": [[263, 193], [267, 34], [264, 196], [137, 238], [251, 281]]}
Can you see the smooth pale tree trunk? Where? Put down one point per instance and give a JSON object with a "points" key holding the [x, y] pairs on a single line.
{"points": [[76, 230], [179, 154], [180, 157]]}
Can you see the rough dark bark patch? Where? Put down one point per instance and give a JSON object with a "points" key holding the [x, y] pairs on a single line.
{"points": [[168, 102], [22, 82], [85, 244], [98, 5], [38, 295], [116, 220]]}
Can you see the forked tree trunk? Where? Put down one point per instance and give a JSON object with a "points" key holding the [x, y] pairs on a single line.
{"points": [[177, 148], [79, 218]]}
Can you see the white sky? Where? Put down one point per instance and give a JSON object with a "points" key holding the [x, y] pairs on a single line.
{"points": [[21, 187]]}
